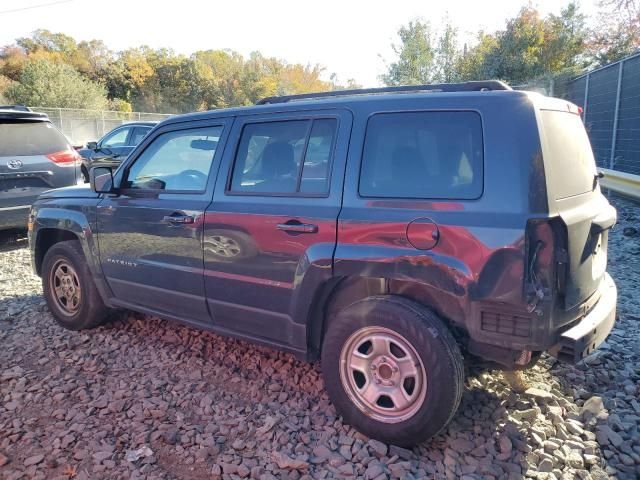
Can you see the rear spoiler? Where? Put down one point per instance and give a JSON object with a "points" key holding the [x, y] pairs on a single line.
{"points": [[20, 114]]}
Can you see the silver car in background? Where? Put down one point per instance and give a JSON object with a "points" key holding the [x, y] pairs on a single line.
{"points": [[34, 157]]}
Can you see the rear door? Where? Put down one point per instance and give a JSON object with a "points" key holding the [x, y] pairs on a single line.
{"points": [[150, 235], [575, 195], [272, 223], [34, 157], [137, 134]]}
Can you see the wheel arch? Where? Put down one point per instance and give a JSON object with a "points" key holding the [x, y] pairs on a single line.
{"points": [[47, 238], [54, 225], [341, 292]]}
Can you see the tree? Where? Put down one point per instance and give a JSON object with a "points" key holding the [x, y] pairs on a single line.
{"points": [[52, 69], [478, 62], [48, 41], [529, 48], [447, 54], [5, 83], [415, 63], [12, 61], [618, 31], [565, 40], [47, 84]]}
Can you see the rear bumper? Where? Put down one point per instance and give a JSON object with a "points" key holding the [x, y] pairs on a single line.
{"points": [[593, 329]]}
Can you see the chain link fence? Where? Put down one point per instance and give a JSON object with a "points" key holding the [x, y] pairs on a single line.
{"points": [[610, 98], [82, 126]]}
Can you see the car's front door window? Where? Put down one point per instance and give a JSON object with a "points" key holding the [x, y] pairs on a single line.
{"points": [[178, 161], [117, 138]]}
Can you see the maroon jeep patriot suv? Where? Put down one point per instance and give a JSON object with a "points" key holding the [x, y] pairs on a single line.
{"points": [[389, 232]]}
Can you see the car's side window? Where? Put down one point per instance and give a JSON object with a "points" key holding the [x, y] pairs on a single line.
{"points": [[290, 157], [177, 161], [117, 138], [137, 135], [423, 155]]}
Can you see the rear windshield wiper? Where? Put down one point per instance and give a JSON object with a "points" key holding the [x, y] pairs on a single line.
{"points": [[596, 178]]}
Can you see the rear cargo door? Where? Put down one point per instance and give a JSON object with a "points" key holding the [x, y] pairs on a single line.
{"points": [[575, 195], [34, 157]]}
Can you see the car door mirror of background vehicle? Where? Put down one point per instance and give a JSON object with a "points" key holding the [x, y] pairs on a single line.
{"points": [[92, 145], [101, 180]]}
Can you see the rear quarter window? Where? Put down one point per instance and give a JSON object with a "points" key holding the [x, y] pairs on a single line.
{"points": [[568, 157], [30, 138], [423, 155]]}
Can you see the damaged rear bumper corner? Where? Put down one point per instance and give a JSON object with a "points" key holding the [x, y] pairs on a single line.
{"points": [[593, 329]]}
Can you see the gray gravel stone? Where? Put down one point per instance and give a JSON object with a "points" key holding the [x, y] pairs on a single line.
{"points": [[33, 460]]}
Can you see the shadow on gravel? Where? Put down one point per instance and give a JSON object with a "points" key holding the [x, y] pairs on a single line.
{"points": [[12, 240], [12, 309]]}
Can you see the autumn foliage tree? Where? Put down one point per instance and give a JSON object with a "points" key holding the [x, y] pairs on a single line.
{"points": [[145, 79]]}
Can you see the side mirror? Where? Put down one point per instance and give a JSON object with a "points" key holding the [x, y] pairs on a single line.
{"points": [[101, 180], [92, 145]]}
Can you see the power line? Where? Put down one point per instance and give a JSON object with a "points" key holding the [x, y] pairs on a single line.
{"points": [[31, 7]]}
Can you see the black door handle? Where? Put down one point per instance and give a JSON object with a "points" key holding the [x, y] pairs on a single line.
{"points": [[298, 227], [178, 218]]}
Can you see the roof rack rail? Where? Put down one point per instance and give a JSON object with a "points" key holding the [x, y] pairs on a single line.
{"points": [[474, 86], [19, 108]]}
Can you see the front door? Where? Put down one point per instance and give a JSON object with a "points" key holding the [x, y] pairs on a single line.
{"points": [[113, 148], [272, 224], [150, 235]]}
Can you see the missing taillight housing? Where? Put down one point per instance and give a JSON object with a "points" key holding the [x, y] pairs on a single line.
{"points": [[65, 158], [540, 272]]}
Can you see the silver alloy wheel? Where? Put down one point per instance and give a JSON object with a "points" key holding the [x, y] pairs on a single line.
{"points": [[382, 374], [65, 286], [224, 246]]}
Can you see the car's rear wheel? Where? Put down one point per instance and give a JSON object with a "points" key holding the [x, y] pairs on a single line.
{"points": [[392, 369], [69, 289]]}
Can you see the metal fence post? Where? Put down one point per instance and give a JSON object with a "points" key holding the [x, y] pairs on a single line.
{"points": [[61, 122], [614, 134], [586, 98]]}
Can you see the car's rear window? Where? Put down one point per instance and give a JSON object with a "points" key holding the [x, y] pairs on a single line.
{"points": [[568, 157], [30, 138], [423, 155]]}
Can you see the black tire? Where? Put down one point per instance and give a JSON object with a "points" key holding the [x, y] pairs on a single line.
{"points": [[91, 311], [85, 174], [430, 339]]}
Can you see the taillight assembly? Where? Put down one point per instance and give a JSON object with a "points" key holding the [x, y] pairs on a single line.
{"points": [[65, 158]]}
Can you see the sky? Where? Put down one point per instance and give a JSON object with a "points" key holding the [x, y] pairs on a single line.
{"points": [[350, 38]]}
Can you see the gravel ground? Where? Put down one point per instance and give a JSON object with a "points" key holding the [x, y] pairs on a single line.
{"points": [[144, 398]]}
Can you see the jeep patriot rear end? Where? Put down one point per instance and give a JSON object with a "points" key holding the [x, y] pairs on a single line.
{"points": [[390, 232]]}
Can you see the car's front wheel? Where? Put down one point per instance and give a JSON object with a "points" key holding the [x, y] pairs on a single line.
{"points": [[392, 369], [69, 289]]}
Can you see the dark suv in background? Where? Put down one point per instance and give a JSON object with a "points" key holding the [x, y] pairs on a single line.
{"points": [[391, 232], [34, 157], [114, 147]]}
